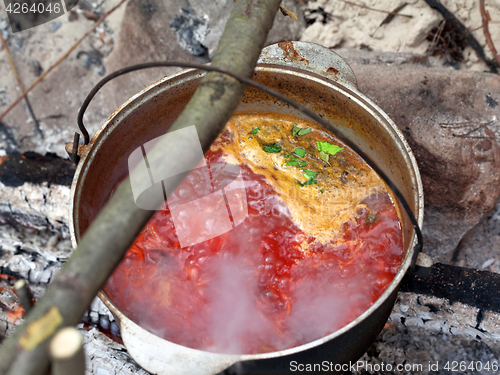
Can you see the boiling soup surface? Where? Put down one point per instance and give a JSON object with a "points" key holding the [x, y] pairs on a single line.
{"points": [[313, 240]]}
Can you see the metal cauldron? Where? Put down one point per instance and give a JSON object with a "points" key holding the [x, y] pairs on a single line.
{"points": [[311, 75]]}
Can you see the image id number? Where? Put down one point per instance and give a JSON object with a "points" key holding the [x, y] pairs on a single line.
{"points": [[24, 8], [461, 366]]}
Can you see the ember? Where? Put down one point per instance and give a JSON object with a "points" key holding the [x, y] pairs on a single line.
{"points": [[9, 301]]}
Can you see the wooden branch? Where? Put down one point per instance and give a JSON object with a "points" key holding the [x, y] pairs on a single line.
{"points": [[486, 31], [66, 352], [61, 59], [460, 27], [113, 231], [22, 290]]}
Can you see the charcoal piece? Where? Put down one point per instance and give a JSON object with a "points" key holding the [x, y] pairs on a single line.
{"points": [[16, 169], [458, 284]]}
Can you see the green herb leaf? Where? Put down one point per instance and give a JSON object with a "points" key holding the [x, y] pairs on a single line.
{"points": [[274, 148], [294, 162], [322, 190], [254, 131], [328, 148], [371, 218], [287, 156], [300, 152], [309, 175], [325, 157], [308, 182], [300, 131]]}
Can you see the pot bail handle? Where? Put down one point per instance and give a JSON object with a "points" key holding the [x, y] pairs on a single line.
{"points": [[307, 56], [311, 57]]}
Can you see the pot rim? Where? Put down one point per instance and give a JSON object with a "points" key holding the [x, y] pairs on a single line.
{"points": [[351, 93]]}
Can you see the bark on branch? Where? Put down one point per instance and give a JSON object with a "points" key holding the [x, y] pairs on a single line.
{"points": [[118, 224]]}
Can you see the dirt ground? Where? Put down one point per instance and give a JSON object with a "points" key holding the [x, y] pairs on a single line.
{"points": [[56, 99], [350, 26]]}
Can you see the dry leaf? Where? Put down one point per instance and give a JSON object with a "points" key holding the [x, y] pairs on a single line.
{"points": [[288, 13]]}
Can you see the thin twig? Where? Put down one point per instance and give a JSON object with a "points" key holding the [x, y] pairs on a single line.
{"points": [[466, 34], [375, 10], [14, 70], [97, 23], [389, 17], [470, 137], [486, 31], [11, 62], [437, 36], [472, 130], [392, 14], [458, 125], [472, 125]]}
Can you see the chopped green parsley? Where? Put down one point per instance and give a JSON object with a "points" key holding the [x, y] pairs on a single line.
{"points": [[325, 157], [300, 131], [309, 175], [274, 148], [294, 162], [328, 148], [308, 182], [300, 152]]}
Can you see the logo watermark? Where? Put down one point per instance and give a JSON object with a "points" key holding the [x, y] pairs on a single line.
{"points": [[211, 199], [327, 366], [458, 367]]}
